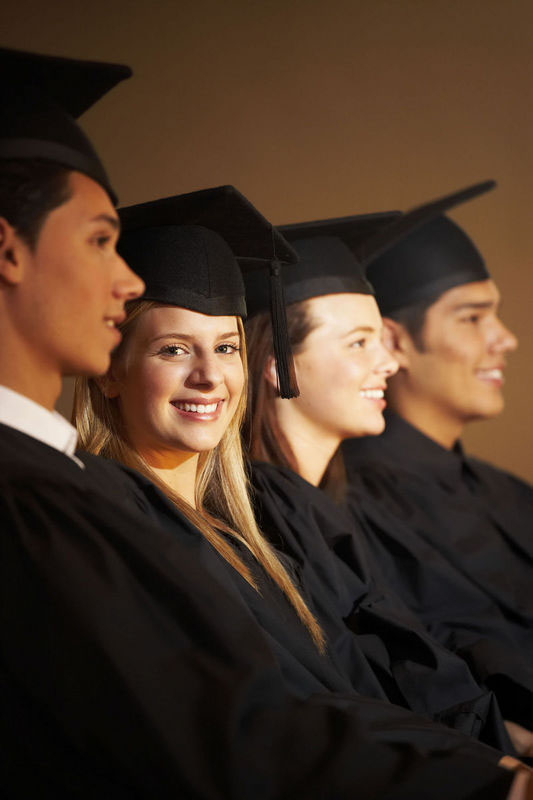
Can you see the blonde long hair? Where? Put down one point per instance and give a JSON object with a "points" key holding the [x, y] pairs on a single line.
{"points": [[222, 491]]}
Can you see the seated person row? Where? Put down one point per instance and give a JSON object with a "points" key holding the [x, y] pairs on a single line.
{"points": [[342, 368], [119, 646]]}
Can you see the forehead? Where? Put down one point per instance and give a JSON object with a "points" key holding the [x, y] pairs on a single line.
{"points": [[87, 201], [478, 293], [164, 319], [343, 312]]}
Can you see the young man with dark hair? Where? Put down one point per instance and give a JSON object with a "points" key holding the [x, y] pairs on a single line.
{"points": [[451, 533], [126, 670]]}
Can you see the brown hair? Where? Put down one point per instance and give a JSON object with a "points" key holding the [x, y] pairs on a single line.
{"points": [[222, 496], [262, 434]]}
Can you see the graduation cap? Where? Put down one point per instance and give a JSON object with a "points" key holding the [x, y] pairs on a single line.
{"points": [[327, 265], [41, 98], [190, 249], [422, 253]]}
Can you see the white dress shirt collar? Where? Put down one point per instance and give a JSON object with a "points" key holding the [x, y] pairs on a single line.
{"points": [[49, 427]]}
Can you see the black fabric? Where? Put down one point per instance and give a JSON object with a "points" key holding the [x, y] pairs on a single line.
{"points": [[325, 266], [188, 266], [154, 677], [360, 615], [422, 253], [452, 535], [431, 260], [222, 209], [42, 97]]}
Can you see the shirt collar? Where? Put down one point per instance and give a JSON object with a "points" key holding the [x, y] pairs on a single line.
{"points": [[49, 427]]}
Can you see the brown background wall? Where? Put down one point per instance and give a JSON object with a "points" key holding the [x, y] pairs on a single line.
{"points": [[324, 108]]}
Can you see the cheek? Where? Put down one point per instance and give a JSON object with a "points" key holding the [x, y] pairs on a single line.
{"points": [[235, 383], [146, 388]]}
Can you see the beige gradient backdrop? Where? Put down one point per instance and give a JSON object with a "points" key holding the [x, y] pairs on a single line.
{"points": [[317, 109]]}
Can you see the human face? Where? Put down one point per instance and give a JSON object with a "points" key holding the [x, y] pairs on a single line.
{"points": [[179, 380], [76, 284], [342, 368], [459, 371]]}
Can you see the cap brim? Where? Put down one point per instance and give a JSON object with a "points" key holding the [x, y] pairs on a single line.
{"points": [[405, 224]]}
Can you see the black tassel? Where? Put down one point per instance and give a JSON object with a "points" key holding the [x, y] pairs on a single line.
{"points": [[287, 384]]}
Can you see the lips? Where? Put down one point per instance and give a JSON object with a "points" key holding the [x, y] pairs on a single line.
{"points": [[111, 324], [199, 408]]}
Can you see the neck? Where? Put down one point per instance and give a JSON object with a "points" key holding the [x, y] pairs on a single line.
{"points": [[21, 371], [311, 448], [428, 418], [176, 469]]}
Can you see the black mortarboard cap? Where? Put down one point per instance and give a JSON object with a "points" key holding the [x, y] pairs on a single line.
{"points": [[327, 262], [189, 250], [423, 253], [41, 98]]}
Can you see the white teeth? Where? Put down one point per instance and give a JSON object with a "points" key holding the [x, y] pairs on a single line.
{"points": [[200, 408], [109, 323], [373, 394], [492, 374]]}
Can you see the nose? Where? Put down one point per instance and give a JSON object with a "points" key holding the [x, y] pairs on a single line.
{"points": [[205, 372], [127, 285], [503, 340], [387, 364]]}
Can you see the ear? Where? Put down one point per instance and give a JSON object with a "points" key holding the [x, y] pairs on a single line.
{"points": [[397, 341], [270, 373], [109, 384], [13, 253]]}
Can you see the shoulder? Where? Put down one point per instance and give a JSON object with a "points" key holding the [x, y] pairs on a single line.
{"points": [[496, 476], [284, 482]]}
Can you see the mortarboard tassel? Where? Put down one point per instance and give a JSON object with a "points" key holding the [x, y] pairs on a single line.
{"points": [[287, 383]]}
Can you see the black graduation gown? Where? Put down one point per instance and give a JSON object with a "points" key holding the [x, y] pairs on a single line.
{"points": [[450, 534], [359, 614], [150, 680]]}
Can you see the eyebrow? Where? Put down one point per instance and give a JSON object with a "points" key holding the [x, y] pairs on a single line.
{"points": [[361, 329], [113, 221], [188, 336], [484, 304]]}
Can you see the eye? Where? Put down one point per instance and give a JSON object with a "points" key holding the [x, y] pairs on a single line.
{"points": [[358, 344], [472, 319], [171, 350], [227, 348], [102, 241]]}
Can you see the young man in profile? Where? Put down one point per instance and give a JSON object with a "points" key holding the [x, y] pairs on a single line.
{"points": [[118, 679], [452, 533]]}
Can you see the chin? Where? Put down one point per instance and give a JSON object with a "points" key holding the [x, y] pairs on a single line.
{"points": [[370, 428], [89, 369]]}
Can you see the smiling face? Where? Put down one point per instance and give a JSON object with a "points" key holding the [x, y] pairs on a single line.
{"points": [[74, 284], [179, 379], [459, 370], [342, 368]]}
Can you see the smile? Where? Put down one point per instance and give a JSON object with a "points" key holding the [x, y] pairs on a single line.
{"points": [[372, 394], [494, 375], [197, 408]]}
